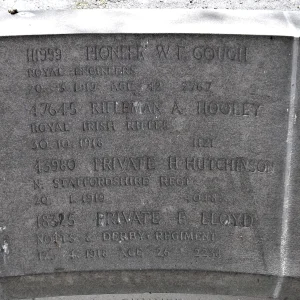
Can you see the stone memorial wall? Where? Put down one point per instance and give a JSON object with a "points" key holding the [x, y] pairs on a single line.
{"points": [[143, 157]]}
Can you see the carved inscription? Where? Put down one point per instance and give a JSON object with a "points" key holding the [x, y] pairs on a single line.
{"points": [[126, 151], [44, 54], [115, 53], [213, 108]]}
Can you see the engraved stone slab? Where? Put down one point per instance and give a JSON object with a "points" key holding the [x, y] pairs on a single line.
{"points": [[141, 152], [146, 152]]}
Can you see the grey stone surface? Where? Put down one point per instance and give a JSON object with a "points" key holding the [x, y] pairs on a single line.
{"points": [[169, 21], [149, 163], [191, 4]]}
